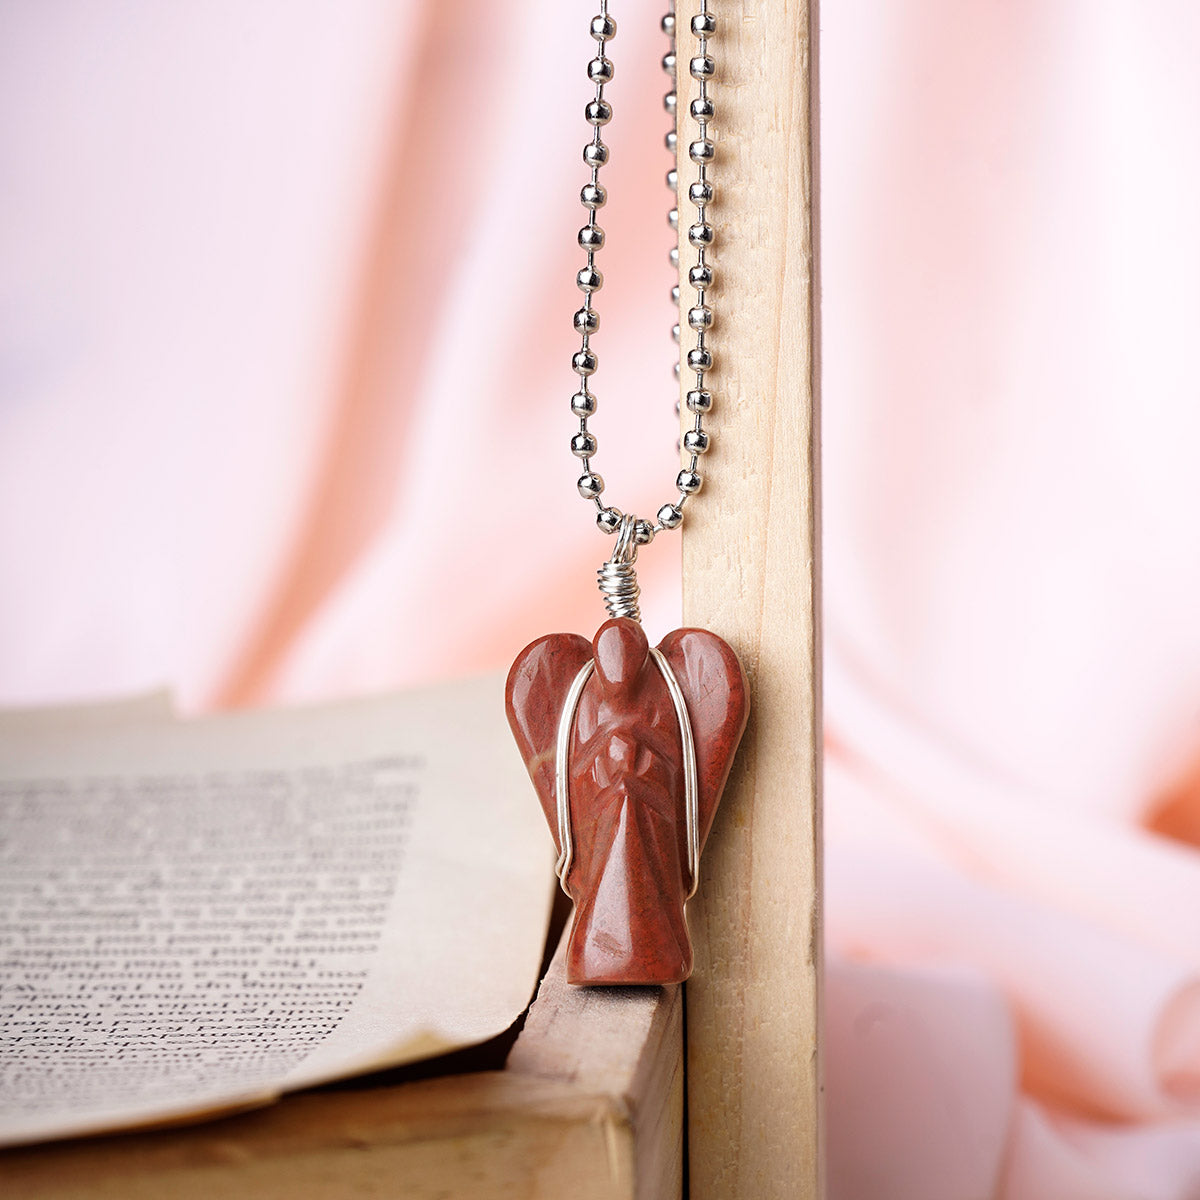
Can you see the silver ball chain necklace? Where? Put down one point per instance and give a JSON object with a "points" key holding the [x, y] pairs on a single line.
{"points": [[628, 745], [617, 580]]}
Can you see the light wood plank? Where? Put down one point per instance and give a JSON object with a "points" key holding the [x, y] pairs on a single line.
{"points": [[626, 1043], [750, 559], [487, 1136]]}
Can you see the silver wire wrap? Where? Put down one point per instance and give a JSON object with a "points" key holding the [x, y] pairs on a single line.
{"points": [[617, 578], [562, 773], [691, 782]]}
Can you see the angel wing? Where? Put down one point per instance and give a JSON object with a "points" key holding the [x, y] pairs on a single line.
{"points": [[535, 694], [718, 703]]}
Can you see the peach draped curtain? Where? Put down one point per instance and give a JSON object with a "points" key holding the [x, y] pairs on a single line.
{"points": [[284, 330]]}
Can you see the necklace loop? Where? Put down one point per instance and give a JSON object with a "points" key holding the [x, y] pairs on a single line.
{"points": [[625, 551], [617, 578]]}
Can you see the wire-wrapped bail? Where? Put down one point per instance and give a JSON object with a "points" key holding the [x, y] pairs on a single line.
{"points": [[617, 578]]}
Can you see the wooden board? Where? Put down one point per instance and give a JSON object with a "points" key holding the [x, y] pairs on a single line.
{"points": [[623, 1043], [589, 1107], [750, 566]]}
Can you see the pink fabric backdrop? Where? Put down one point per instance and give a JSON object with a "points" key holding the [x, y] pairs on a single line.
{"points": [[284, 330]]}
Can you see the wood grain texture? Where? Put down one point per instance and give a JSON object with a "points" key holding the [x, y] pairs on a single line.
{"points": [[487, 1136], [750, 558], [590, 1107], [623, 1043]]}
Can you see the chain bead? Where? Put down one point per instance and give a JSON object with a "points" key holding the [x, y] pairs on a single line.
{"points": [[688, 482], [584, 362], [589, 280], [643, 533], [605, 27], [590, 485], [598, 112], [609, 519], [600, 69], [583, 445], [587, 320], [595, 154], [670, 516], [702, 67], [700, 317], [591, 237], [704, 24], [583, 404], [700, 276], [695, 441], [699, 400], [593, 196]]}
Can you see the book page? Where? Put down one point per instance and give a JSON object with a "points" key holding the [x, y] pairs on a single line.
{"points": [[196, 916]]}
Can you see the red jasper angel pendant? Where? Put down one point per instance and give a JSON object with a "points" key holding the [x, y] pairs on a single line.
{"points": [[629, 748]]}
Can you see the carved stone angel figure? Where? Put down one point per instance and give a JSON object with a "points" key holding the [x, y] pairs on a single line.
{"points": [[629, 874]]}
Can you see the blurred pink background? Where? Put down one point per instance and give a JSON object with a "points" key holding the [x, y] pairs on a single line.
{"points": [[284, 339]]}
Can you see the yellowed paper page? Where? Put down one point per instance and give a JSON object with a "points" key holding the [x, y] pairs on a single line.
{"points": [[198, 915]]}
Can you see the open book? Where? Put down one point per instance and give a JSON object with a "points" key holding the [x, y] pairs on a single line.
{"points": [[198, 915]]}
